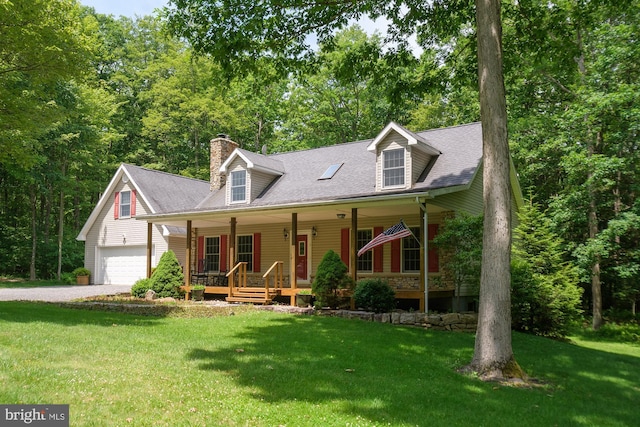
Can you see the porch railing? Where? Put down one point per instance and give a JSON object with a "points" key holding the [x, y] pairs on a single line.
{"points": [[241, 270], [276, 272]]}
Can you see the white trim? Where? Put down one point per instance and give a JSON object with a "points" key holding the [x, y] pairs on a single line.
{"points": [[107, 197], [412, 139]]}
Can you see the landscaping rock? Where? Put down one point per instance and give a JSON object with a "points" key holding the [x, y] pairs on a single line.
{"points": [[150, 295]]}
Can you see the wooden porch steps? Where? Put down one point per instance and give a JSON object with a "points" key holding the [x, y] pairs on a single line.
{"points": [[253, 295]]}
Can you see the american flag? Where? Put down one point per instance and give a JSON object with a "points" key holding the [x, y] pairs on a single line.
{"points": [[398, 231]]}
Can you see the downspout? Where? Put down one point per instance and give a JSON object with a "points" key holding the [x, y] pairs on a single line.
{"points": [[425, 244]]}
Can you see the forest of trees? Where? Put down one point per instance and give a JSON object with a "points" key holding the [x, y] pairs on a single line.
{"points": [[81, 92]]}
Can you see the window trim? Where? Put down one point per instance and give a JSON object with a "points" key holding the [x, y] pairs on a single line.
{"points": [[121, 204], [247, 255], [206, 254], [234, 186], [367, 256], [394, 168], [417, 234]]}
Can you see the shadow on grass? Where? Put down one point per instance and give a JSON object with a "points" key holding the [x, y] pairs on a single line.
{"points": [[398, 375], [26, 312]]}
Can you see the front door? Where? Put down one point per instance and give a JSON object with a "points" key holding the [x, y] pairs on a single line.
{"points": [[302, 249]]}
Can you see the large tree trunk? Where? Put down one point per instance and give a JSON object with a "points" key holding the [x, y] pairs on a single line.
{"points": [[493, 354]]}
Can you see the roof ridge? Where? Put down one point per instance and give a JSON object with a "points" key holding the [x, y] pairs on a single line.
{"points": [[164, 172]]}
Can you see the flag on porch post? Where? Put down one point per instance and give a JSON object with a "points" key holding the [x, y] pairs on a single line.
{"points": [[398, 231]]}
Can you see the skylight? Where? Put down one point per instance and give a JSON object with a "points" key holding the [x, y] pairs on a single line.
{"points": [[331, 171]]}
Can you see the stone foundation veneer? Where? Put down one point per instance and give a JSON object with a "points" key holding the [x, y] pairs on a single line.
{"points": [[460, 322]]}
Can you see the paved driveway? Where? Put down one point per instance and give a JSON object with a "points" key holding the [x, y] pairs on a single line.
{"points": [[61, 293]]}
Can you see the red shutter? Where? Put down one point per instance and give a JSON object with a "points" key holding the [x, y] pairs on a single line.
{"points": [[223, 253], [377, 252], [396, 248], [116, 206], [200, 254], [432, 257], [256, 252], [344, 245], [133, 203]]}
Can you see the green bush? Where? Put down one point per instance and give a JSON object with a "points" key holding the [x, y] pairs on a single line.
{"points": [[68, 278], [168, 277], [140, 288], [375, 295], [81, 271], [332, 275]]}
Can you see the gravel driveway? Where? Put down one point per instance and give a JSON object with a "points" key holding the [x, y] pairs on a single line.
{"points": [[61, 293]]}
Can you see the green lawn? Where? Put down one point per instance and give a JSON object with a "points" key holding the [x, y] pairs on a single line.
{"points": [[268, 369], [24, 283]]}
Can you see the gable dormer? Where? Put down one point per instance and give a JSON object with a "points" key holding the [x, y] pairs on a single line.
{"points": [[247, 175], [401, 157]]}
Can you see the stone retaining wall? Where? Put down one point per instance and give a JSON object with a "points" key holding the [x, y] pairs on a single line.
{"points": [[462, 322]]}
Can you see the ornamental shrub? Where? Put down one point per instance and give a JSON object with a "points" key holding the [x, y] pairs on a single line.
{"points": [[375, 295], [168, 277], [140, 288], [332, 275]]}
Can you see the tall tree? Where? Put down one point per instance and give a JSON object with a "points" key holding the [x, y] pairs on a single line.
{"points": [[574, 80], [236, 33]]}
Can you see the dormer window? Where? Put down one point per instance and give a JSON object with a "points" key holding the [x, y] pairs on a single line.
{"points": [[238, 186], [393, 168]]}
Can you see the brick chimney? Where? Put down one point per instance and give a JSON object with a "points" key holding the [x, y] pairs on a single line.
{"points": [[221, 149]]}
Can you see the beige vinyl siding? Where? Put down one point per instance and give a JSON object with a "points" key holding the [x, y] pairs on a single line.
{"points": [[468, 201], [259, 181], [110, 232], [179, 246], [419, 161]]}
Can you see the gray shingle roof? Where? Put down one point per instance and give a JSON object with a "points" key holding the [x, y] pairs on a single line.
{"points": [[167, 192], [461, 148]]}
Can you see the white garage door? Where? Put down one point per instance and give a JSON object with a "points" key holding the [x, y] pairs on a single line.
{"points": [[122, 266]]}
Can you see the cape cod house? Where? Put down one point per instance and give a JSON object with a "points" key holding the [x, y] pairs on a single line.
{"points": [[264, 222]]}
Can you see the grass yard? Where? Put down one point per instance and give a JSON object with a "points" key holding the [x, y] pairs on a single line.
{"points": [[267, 369], [9, 282]]}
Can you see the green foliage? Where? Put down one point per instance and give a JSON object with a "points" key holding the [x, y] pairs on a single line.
{"points": [[332, 274], [168, 277], [545, 298], [140, 288], [375, 295], [68, 278], [81, 271], [460, 244]]}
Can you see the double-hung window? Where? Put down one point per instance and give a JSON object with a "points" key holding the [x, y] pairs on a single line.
{"points": [[245, 250], [365, 261], [238, 186], [212, 254], [411, 251], [393, 167], [125, 204]]}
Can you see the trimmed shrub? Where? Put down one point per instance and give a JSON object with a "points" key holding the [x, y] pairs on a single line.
{"points": [[332, 275], [140, 288], [168, 277], [375, 295]]}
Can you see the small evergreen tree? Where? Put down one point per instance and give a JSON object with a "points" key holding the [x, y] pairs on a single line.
{"points": [[168, 277], [545, 295], [332, 275]]}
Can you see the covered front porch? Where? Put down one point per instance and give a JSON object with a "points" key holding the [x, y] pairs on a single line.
{"points": [[260, 255]]}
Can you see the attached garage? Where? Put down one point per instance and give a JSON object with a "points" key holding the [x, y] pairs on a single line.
{"points": [[121, 265]]}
